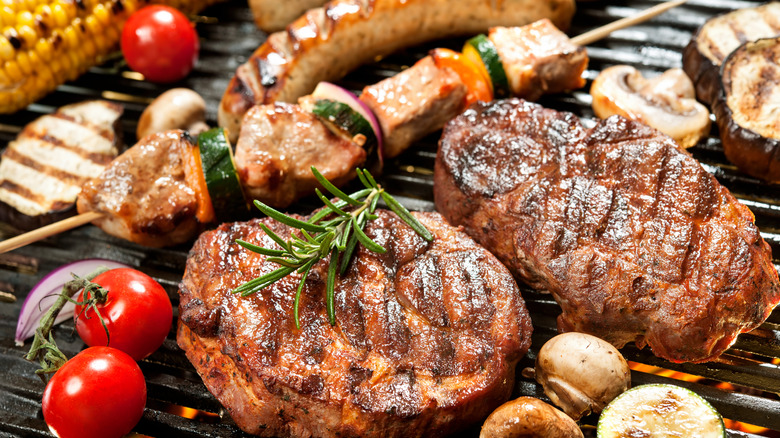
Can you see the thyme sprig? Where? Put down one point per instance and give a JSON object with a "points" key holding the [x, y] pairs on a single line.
{"points": [[334, 232]]}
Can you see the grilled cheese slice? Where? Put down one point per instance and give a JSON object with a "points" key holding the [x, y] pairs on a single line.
{"points": [[43, 170]]}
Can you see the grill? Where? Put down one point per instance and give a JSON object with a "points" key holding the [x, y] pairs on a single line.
{"points": [[742, 385]]}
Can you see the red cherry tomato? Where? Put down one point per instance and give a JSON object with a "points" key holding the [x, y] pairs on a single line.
{"points": [[100, 393], [160, 43], [137, 313]]}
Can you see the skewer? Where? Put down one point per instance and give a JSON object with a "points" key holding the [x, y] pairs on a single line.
{"points": [[48, 230], [603, 31], [85, 218]]}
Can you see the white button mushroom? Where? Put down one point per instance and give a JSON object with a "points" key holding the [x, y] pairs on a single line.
{"points": [[178, 108], [528, 417], [667, 103], [581, 373]]}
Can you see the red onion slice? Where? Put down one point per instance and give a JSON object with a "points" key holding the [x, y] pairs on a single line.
{"points": [[326, 90], [43, 295]]}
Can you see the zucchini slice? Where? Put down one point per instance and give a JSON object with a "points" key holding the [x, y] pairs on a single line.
{"points": [[343, 117], [482, 51], [219, 170], [660, 410]]}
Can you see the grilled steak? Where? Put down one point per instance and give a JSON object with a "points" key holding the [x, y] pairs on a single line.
{"points": [[634, 239], [426, 339], [42, 171]]}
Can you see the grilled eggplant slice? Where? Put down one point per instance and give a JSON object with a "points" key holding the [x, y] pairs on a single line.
{"points": [[718, 37], [43, 169], [746, 109]]}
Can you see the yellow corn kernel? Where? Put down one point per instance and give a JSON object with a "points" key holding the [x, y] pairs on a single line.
{"points": [[43, 49], [71, 37], [25, 18], [7, 51], [7, 16], [13, 71], [23, 61], [44, 19], [28, 35], [10, 3]]}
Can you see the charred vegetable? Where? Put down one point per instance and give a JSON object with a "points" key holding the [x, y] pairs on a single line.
{"points": [[666, 103], [718, 37], [660, 410], [528, 417], [746, 109], [581, 373]]}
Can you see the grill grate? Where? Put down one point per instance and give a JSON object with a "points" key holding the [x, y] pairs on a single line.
{"points": [[176, 393]]}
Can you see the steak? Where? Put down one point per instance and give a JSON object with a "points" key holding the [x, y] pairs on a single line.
{"points": [[634, 239], [426, 339]]}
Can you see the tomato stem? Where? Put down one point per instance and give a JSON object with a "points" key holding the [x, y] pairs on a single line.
{"points": [[43, 348]]}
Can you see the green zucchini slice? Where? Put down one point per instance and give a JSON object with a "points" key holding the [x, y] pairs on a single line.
{"points": [[219, 170], [492, 62], [343, 117], [660, 411]]}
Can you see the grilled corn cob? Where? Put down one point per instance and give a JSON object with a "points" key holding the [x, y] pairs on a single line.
{"points": [[44, 43]]}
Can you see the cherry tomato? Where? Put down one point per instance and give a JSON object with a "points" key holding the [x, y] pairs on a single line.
{"points": [[160, 43], [99, 393], [137, 313]]}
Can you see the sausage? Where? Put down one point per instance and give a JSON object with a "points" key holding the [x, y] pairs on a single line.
{"points": [[273, 15], [326, 43]]}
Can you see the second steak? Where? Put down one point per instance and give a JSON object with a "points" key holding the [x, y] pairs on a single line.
{"points": [[634, 239]]}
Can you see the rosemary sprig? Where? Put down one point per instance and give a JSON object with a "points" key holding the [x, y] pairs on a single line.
{"points": [[332, 232]]}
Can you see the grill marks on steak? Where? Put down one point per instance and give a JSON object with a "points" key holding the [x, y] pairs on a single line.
{"points": [[426, 340], [635, 240]]}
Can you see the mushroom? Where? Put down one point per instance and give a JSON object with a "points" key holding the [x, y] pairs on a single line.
{"points": [[667, 102], [177, 108], [581, 373], [529, 417]]}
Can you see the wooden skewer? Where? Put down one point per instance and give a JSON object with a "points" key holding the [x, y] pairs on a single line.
{"points": [[48, 230], [603, 31], [85, 218]]}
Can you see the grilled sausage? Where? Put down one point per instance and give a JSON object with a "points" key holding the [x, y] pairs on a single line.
{"points": [[326, 43], [273, 15]]}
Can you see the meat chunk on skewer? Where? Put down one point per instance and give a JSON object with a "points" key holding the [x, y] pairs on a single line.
{"points": [[147, 194], [539, 59], [278, 145], [414, 103]]}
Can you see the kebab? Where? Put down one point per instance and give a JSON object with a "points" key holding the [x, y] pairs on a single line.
{"points": [[149, 229]]}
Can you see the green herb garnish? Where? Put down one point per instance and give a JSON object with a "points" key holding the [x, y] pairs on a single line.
{"points": [[334, 231]]}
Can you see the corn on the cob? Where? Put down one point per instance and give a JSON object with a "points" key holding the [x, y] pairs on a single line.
{"points": [[44, 43]]}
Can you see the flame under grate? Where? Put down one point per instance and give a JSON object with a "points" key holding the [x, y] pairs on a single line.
{"points": [[743, 386]]}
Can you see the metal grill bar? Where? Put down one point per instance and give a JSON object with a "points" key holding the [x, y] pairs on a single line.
{"points": [[228, 38]]}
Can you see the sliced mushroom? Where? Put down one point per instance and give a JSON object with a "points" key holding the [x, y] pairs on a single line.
{"points": [[581, 373], [748, 108], [178, 108], [528, 417], [666, 103]]}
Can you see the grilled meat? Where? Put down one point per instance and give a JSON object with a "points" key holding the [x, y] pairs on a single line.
{"points": [[538, 59], [278, 145], [326, 43], [414, 103], [634, 239], [746, 109], [147, 194], [42, 171], [273, 15], [718, 37], [426, 339]]}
